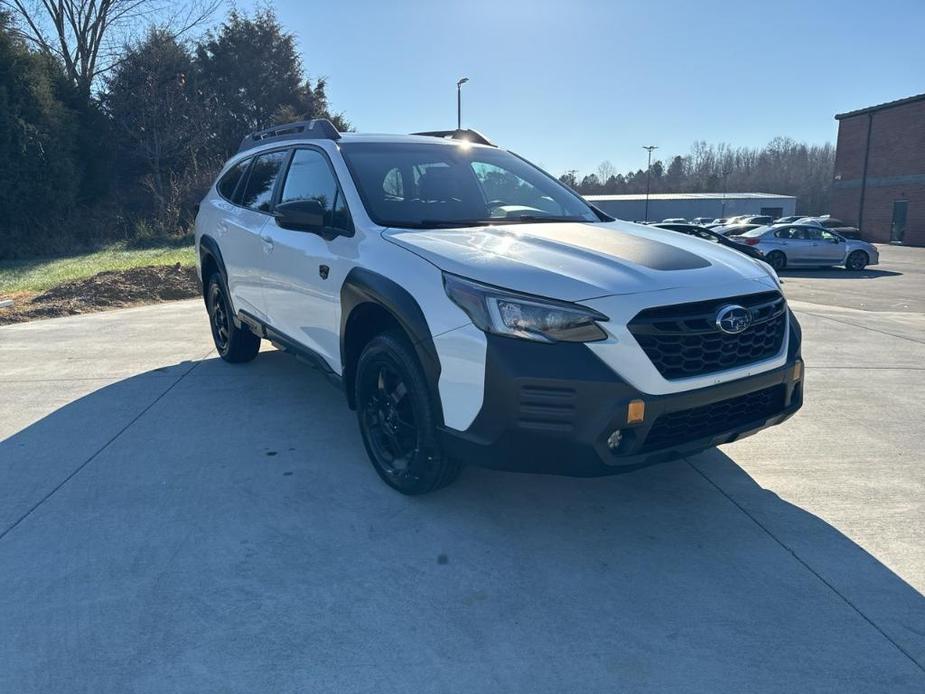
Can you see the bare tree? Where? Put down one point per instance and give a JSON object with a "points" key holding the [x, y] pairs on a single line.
{"points": [[87, 35], [605, 171]]}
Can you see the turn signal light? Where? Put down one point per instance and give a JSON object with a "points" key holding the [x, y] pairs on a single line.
{"points": [[798, 371], [635, 412]]}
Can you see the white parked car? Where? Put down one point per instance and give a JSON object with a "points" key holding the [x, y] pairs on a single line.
{"points": [[809, 245], [473, 309]]}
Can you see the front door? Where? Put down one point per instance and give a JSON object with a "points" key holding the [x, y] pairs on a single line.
{"points": [[307, 269], [830, 249], [898, 228]]}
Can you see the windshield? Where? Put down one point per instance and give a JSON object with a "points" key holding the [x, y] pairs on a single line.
{"points": [[426, 185]]}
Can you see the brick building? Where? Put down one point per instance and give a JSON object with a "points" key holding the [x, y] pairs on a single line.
{"points": [[879, 181]]}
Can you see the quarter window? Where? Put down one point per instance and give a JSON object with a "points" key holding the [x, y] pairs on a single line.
{"points": [[229, 182], [310, 178], [258, 193]]}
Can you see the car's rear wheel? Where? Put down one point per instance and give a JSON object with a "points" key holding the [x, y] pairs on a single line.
{"points": [[857, 260], [777, 260], [233, 344], [397, 418]]}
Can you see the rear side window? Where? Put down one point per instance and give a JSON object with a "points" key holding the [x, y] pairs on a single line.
{"points": [[258, 191], [229, 182], [310, 178]]}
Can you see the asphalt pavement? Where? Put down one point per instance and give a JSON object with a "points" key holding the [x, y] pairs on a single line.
{"points": [[172, 523]]}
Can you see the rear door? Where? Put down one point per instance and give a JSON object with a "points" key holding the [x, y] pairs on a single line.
{"points": [[790, 241], [239, 246], [306, 269], [247, 264]]}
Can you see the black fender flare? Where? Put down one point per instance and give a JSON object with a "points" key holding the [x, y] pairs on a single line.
{"points": [[208, 248], [362, 286]]}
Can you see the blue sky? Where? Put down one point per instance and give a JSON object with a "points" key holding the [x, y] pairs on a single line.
{"points": [[569, 84]]}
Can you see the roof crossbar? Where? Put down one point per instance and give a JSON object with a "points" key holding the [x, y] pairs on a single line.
{"points": [[466, 135], [316, 129]]}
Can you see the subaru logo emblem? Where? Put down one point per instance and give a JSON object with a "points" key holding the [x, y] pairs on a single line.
{"points": [[733, 319]]}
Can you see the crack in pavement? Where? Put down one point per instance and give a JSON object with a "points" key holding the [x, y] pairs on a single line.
{"points": [[93, 456], [863, 327], [806, 565]]}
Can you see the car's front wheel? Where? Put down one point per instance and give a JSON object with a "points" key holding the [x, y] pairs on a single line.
{"points": [[233, 344], [777, 260], [397, 417], [857, 260]]}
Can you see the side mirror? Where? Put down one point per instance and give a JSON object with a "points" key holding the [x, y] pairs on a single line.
{"points": [[300, 215]]}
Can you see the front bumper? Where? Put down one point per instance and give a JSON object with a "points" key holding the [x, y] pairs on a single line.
{"points": [[550, 408]]}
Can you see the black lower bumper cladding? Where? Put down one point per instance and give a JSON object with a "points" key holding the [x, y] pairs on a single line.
{"points": [[550, 408]]}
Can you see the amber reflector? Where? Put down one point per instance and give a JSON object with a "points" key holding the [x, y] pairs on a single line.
{"points": [[635, 412]]}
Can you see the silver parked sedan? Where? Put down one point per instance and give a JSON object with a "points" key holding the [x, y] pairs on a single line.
{"points": [[809, 245]]}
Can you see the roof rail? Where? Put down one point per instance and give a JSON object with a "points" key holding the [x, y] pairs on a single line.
{"points": [[467, 135], [316, 129]]}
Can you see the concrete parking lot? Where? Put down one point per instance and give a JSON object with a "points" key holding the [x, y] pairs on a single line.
{"points": [[169, 522]]}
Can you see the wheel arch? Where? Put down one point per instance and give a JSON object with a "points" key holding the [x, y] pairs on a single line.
{"points": [[210, 260], [372, 303]]}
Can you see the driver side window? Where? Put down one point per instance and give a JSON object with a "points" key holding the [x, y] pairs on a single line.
{"points": [[310, 178]]}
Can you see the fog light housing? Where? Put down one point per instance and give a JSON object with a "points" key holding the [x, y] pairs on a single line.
{"points": [[614, 440], [635, 412]]}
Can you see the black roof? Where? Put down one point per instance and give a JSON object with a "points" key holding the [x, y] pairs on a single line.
{"points": [[881, 107]]}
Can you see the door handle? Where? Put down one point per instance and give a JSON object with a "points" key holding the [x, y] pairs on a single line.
{"points": [[267, 243]]}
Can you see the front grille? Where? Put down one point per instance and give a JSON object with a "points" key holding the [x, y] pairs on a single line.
{"points": [[683, 340], [687, 425]]}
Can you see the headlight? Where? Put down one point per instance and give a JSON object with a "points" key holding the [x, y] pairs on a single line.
{"points": [[528, 317]]}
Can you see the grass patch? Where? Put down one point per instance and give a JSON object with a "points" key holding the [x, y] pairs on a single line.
{"points": [[18, 277]]}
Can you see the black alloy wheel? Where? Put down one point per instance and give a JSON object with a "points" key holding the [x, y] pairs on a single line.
{"points": [[857, 261], [777, 260], [218, 317], [397, 418], [234, 344]]}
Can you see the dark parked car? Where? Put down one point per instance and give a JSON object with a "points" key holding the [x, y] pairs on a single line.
{"points": [[833, 224], [757, 219], [736, 229], [710, 235]]}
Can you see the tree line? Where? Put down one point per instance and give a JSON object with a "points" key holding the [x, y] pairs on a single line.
{"points": [[783, 166], [113, 127]]}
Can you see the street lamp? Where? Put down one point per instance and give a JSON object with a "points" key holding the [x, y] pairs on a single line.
{"points": [[649, 149], [726, 173], [459, 85]]}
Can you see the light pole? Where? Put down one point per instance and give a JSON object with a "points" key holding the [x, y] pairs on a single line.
{"points": [[726, 173], [459, 85], [649, 149]]}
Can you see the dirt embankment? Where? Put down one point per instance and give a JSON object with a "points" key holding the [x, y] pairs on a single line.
{"points": [[107, 290]]}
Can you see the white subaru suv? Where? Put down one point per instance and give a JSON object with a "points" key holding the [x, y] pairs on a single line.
{"points": [[473, 309]]}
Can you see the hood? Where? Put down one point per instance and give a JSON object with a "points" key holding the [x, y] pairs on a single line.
{"points": [[574, 261]]}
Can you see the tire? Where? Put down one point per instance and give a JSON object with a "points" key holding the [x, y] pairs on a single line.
{"points": [[397, 417], [777, 260], [857, 261], [233, 344]]}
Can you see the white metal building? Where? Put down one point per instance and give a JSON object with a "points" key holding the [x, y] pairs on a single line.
{"points": [[690, 205]]}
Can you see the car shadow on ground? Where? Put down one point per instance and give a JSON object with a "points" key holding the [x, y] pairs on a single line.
{"points": [[236, 528], [836, 273]]}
